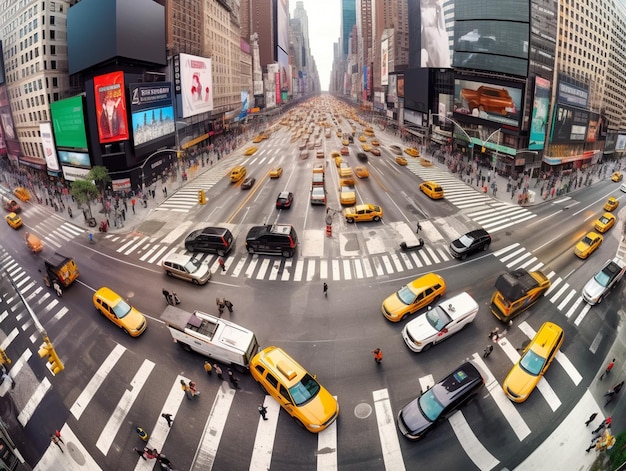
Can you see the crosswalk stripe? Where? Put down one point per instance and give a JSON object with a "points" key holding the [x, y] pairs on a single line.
{"points": [[252, 266], [528, 262], [158, 255], [324, 269], [574, 307], [510, 413], [327, 448], [569, 367], [347, 272], [148, 253], [470, 443], [387, 264], [35, 399], [236, 270], [273, 266], [96, 381], [310, 270], [416, 259], [124, 246], [261, 458], [567, 299], [287, 270], [335, 269], [396, 262], [260, 274], [407, 261], [141, 241], [392, 455], [518, 259], [506, 258], [212, 434], [559, 293], [105, 440], [553, 284], [582, 314], [432, 254], [505, 249], [367, 267], [358, 268]]}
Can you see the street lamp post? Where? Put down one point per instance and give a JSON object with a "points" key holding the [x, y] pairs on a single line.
{"points": [[495, 157], [469, 139]]}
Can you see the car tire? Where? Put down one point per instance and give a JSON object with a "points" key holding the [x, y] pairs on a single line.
{"points": [[195, 282], [376, 218], [250, 249], [125, 331], [485, 247], [287, 253], [427, 347], [184, 346], [169, 273], [463, 256], [350, 220], [189, 248]]}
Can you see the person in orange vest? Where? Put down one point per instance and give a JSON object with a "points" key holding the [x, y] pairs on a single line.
{"points": [[378, 355]]}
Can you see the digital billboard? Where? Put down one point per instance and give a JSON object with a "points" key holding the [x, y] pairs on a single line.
{"points": [[152, 111], [68, 122], [75, 159], [541, 107], [569, 125], [283, 61], [47, 142], [496, 103], [196, 85], [111, 107], [435, 51], [8, 127], [574, 95], [282, 25], [384, 62], [593, 128]]}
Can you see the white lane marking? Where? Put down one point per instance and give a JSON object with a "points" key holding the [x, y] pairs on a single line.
{"points": [[327, 448], [34, 401], [470, 443], [261, 458], [392, 455]]}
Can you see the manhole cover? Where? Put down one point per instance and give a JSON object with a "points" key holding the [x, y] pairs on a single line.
{"points": [[363, 410]]}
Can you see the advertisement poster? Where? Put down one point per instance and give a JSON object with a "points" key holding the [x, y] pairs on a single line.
{"points": [[8, 128], [384, 62], [435, 51], [594, 127], [569, 125], [68, 121], [152, 111], [111, 107], [495, 103], [196, 85], [47, 142], [541, 106]]}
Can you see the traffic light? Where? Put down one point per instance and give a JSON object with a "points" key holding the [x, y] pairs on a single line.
{"points": [[55, 365], [4, 357], [201, 197]]}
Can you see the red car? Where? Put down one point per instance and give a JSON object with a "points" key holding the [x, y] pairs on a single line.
{"points": [[490, 99]]}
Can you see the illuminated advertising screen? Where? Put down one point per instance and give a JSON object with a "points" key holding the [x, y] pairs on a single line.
{"points": [[495, 103], [435, 51], [620, 144], [400, 86], [384, 62], [196, 85], [541, 107], [569, 125], [47, 142], [283, 62], [68, 122], [75, 159], [152, 111], [593, 128], [574, 95], [8, 127], [111, 107], [282, 25]]}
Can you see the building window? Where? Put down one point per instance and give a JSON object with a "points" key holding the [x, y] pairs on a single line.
{"points": [[52, 34], [55, 96], [55, 81], [51, 19], [53, 65], [53, 50]]}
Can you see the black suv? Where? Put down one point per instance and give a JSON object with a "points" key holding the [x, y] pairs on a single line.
{"points": [[217, 240], [469, 243], [361, 156], [438, 403], [277, 239]]}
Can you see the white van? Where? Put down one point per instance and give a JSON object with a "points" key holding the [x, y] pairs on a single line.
{"points": [[623, 187]]}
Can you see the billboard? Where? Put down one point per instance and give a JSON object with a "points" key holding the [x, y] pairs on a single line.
{"points": [[152, 111], [283, 62], [282, 25], [435, 51], [541, 106], [8, 127], [496, 103], [569, 124], [621, 142], [384, 62], [594, 127], [75, 159], [111, 107], [196, 85], [68, 121], [573, 95], [47, 142]]}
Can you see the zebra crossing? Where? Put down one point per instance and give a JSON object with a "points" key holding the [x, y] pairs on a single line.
{"points": [[54, 230], [566, 299], [491, 214]]}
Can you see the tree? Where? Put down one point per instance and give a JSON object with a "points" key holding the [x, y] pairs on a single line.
{"points": [[100, 176], [84, 192]]}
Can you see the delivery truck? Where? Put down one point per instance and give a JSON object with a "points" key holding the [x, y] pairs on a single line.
{"points": [[211, 336]]}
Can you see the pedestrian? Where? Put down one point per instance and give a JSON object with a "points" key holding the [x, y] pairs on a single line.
{"points": [[168, 296], [132, 204], [612, 392], [220, 305], [165, 191], [123, 212], [139, 452], [150, 454], [168, 419], [493, 332], [263, 411], [605, 423], [228, 305], [125, 205], [378, 355], [58, 435], [233, 379], [69, 212], [186, 389], [194, 389], [5, 376], [218, 371], [57, 288], [609, 367], [164, 463], [54, 439], [220, 260], [488, 350], [325, 289], [208, 368], [175, 298], [419, 227], [591, 418]]}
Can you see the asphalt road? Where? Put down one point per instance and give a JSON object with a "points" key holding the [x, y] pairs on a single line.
{"points": [[282, 302]]}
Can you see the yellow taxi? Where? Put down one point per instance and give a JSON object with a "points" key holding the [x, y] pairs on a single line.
{"points": [[114, 308], [347, 195], [617, 176], [345, 151], [344, 170], [368, 131], [363, 212], [401, 161], [338, 161], [250, 150], [13, 220], [345, 142], [432, 190], [412, 151], [588, 245], [361, 172], [414, 296], [334, 154], [257, 139], [362, 138], [535, 360], [366, 147], [294, 388], [276, 172], [604, 223], [611, 204], [375, 142]]}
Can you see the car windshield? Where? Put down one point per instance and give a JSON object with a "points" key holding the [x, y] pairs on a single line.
{"points": [[602, 278], [604, 220], [429, 405], [438, 318], [305, 390], [532, 363], [466, 240], [406, 295], [586, 240], [192, 266], [121, 309]]}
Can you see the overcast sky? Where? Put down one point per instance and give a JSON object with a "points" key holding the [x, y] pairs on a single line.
{"points": [[324, 30]]}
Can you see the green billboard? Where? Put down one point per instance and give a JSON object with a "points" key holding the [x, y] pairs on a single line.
{"points": [[69, 123]]}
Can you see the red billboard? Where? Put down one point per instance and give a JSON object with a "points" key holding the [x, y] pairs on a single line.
{"points": [[111, 107]]}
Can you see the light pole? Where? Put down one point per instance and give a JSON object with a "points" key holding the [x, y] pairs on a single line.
{"points": [[495, 157], [469, 139]]}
